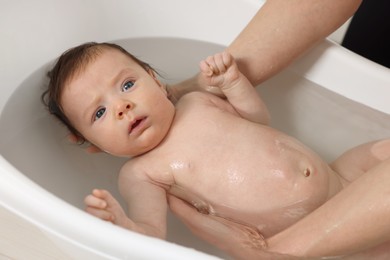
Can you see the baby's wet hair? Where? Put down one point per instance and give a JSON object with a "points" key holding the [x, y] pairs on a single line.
{"points": [[69, 65]]}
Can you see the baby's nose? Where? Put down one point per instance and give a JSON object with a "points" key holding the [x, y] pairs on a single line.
{"points": [[122, 110]]}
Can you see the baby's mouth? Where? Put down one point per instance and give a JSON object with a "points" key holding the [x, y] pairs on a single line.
{"points": [[135, 124]]}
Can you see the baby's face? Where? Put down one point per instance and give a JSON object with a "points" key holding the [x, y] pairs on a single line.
{"points": [[118, 106]]}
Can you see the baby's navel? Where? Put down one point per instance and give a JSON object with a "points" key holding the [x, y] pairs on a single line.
{"points": [[307, 172]]}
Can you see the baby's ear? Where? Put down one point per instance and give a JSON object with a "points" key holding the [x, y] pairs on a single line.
{"points": [[152, 73], [90, 148]]}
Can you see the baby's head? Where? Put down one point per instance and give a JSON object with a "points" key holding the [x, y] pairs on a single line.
{"points": [[100, 91]]}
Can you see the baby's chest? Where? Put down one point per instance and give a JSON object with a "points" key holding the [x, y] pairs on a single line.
{"points": [[208, 161], [220, 179]]}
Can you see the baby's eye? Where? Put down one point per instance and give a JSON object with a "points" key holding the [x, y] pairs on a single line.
{"points": [[99, 113], [128, 85]]}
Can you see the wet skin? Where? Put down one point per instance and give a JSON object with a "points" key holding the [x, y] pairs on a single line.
{"points": [[214, 154], [236, 169], [202, 150]]}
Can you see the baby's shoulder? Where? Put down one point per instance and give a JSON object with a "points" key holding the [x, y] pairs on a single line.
{"points": [[205, 99], [132, 168], [143, 167], [196, 96]]}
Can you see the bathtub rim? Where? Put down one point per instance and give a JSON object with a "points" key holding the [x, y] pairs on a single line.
{"points": [[361, 77], [29, 200], [311, 66]]}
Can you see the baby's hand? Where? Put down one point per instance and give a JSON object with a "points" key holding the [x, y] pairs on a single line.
{"points": [[220, 70], [103, 205]]}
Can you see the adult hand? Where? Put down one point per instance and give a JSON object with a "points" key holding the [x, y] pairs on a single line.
{"points": [[237, 240]]}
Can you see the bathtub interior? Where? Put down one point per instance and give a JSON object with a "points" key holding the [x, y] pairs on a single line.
{"points": [[36, 145]]}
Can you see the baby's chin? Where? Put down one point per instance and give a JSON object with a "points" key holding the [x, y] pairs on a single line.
{"points": [[124, 154], [129, 152], [120, 154]]}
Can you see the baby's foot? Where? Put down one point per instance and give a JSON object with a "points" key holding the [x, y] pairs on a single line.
{"points": [[220, 70]]}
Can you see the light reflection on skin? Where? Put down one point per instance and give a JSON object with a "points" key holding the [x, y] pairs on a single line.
{"points": [[177, 165], [277, 173], [234, 177], [180, 165], [296, 212]]}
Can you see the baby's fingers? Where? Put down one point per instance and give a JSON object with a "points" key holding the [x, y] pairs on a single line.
{"points": [[217, 62], [206, 69], [100, 213], [227, 59], [220, 62], [106, 196], [95, 202]]}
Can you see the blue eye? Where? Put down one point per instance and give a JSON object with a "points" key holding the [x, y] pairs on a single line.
{"points": [[99, 113], [128, 85]]}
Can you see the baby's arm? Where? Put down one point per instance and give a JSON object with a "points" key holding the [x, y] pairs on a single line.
{"points": [[221, 71], [146, 202]]}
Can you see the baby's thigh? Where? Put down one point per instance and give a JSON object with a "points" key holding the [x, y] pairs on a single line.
{"points": [[360, 159], [381, 149]]}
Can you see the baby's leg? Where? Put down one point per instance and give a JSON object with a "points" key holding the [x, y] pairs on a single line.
{"points": [[358, 160]]}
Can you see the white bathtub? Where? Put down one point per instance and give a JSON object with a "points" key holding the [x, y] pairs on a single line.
{"points": [[331, 99]]}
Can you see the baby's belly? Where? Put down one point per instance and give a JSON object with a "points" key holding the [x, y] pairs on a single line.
{"points": [[275, 188]]}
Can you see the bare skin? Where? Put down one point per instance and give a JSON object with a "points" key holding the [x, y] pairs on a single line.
{"points": [[311, 237], [204, 168], [296, 176], [278, 34], [260, 53]]}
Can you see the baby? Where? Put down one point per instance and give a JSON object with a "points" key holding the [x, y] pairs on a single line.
{"points": [[218, 155]]}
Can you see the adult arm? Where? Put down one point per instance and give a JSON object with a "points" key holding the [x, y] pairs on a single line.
{"points": [[279, 33], [232, 238], [283, 30]]}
